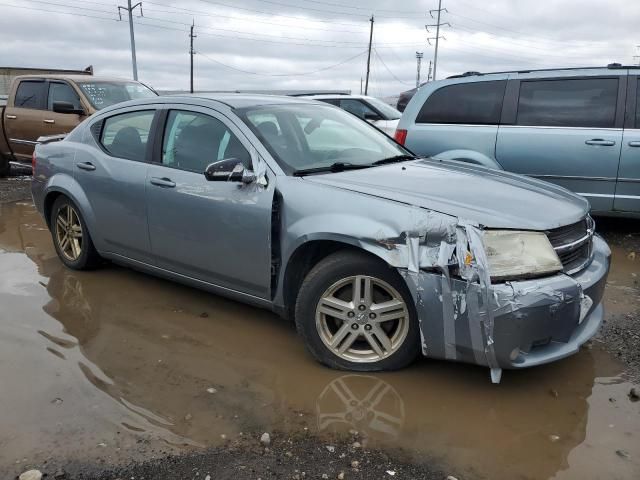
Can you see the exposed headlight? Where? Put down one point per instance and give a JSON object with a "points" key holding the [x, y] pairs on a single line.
{"points": [[515, 254]]}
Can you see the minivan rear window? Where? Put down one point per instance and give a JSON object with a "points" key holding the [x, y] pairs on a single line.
{"points": [[581, 102], [478, 103]]}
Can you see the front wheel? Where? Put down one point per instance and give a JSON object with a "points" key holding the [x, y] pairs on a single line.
{"points": [[356, 313]]}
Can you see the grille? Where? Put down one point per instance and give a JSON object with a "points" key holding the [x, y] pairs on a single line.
{"points": [[572, 243]]}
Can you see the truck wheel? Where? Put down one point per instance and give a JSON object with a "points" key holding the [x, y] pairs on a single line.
{"points": [[71, 237], [354, 312], [5, 166]]}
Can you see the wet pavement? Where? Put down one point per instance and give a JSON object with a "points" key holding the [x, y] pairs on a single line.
{"points": [[113, 365]]}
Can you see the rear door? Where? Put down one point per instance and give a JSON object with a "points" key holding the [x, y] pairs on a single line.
{"points": [[112, 173], [24, 117], [628, 189], [566, 130], [61, 91]]}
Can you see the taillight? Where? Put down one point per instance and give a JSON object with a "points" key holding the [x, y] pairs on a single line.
{"points": [[400, 136], [33, 162]]}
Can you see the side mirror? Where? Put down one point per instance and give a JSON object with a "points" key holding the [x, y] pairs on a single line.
{"points": [[372, 116], [229, 170], [66, 107]]}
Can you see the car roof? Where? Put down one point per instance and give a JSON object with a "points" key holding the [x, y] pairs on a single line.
{"points": [[333, 96], [73, 78], [243, 100]]}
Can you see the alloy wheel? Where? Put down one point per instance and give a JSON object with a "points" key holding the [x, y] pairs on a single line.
{"points": [[69, 232], [362, 319]]}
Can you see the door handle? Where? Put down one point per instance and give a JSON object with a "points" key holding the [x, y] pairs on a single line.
{"points": [[86, 166], [49, 120], [11, 117], [600, 141], [163, 182], [634, 144]]}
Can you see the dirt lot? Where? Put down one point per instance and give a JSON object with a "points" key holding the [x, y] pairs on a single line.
{"points": [[114, 374]]}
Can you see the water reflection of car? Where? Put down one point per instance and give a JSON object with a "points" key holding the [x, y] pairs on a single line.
{"points": [[303, 209], [371, 109]]}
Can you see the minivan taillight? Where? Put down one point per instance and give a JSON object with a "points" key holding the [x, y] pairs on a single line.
{"points": [[400, 136], [33, 162]]}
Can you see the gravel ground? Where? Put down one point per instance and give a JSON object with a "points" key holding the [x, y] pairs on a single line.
{"points": [[285, 457], [620, 333], [16, 186]]}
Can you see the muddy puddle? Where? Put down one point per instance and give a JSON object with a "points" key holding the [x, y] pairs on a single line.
{"points": [[111, 364]]}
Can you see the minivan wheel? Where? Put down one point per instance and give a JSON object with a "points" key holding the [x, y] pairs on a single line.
{"points": [[356, 313], [71, 237]]}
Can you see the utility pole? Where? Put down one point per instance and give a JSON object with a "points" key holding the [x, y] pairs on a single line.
{"points": [[130, 10], [360, 85], [438, 24], [419, 56], [429, 73], [366, 83], [191, 52], [637, 56]]}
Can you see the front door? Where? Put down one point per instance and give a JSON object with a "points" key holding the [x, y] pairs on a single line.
{"points": [[113, 179], [216, 232], [24, 118], [567, 131], [628, 188], [58, 123]]}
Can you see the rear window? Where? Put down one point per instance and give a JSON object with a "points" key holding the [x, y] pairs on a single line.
{"points": [[477, 103], [126, 135], [568, 103], [31, 94]]}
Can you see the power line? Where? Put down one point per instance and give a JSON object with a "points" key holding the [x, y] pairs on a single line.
{"points": [[282, 74], [388, 69]]}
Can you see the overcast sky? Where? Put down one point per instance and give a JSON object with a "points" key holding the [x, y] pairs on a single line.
{"points": [[300, 44]]}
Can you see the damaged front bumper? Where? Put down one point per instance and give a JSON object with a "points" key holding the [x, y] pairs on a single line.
{"points": [[514, 324]]}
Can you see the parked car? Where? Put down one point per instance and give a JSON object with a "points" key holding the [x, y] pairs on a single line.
{"points": [[579, 128], [371, 109], [405, 97], [44, 105], [304, 209]]}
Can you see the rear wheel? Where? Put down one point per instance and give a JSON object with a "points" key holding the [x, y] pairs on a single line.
{"points": [[5, 166], [355, 313], [71, 237]]}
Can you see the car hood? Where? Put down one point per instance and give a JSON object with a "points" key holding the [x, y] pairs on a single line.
{"points": [[492, 198]]}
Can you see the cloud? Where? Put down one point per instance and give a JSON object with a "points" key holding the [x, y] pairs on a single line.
{"points": [[279, 39]]}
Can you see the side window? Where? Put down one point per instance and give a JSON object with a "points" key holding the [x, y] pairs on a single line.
{"points": [[31, 94], [568, 103], [62, 92], [358, 108], [331, 101], [126, 135], [192, 141], [477, 103]]}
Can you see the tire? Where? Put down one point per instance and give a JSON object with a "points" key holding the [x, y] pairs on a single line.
{"points": [[78, 253], [5, 166], [338, 319]]}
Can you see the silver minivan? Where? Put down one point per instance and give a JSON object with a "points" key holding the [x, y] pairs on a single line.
{"points": [[578, 128]]}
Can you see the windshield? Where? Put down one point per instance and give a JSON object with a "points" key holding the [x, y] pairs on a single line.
{"points": [[104, 94], [387, 111], [308, 136]]}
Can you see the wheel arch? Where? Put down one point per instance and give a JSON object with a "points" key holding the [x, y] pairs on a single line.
{"points": [[469, 156], [64, 185], [307, 254]]}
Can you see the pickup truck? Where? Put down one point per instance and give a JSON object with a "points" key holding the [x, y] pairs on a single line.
{"points": [[45, 105]]}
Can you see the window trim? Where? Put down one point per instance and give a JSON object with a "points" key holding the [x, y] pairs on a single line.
{"points": [[155, 157], [631, 120], [43, 100], [504, 96], [152, 128], [618, 120]]}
